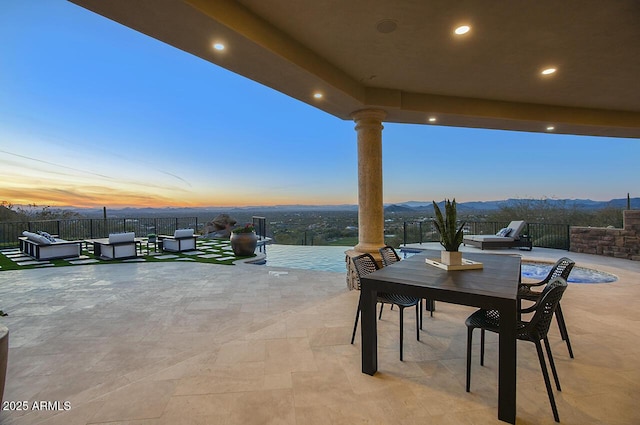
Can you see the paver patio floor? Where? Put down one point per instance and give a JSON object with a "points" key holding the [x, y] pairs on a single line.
{"points": [[192, 343]]}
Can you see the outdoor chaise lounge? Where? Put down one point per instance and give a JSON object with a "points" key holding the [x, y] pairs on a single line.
{"points": [[509, 237], [182, 240], [45, 247], [116, 246]]}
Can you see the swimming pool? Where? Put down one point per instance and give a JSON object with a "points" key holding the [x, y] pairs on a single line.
{"points": [[321, 258], [331, 258], [578, 274]]}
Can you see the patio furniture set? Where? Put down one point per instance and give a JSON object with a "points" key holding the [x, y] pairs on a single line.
{"points": [[43, 246], [496, 289]]}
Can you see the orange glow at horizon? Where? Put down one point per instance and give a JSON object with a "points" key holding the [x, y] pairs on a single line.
{"points": [[120, 199]]}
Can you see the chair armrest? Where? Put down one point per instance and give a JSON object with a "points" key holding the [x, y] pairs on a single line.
{"points": [[529, 309], [533, 285]]}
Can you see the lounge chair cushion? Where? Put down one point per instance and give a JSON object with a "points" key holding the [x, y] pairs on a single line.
{"points": [[121, 237], [516, 227], [36, 238], [183, 233], [488, 238]]}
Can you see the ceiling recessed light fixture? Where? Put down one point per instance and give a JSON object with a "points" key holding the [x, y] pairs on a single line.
{"points": [[317, 95], [386, 26], [550, 128], [462, 29], [432, 119], [218, 46], [548, 71]]}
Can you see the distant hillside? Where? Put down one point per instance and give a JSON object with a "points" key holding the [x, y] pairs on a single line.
{"points": [[8, 215], [423, 207], [487, 206]]}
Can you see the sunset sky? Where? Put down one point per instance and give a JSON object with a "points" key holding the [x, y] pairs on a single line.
{"points": [[95, 114]]}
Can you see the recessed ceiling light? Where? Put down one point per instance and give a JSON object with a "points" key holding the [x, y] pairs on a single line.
{"points": [[218, 46], [548, 71], [432, 119], [317, 95], [386, 26], [462, 29], [550, 128]]}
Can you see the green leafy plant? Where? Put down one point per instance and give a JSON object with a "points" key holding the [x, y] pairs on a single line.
{"points": [[450, 236], [247, 228]]}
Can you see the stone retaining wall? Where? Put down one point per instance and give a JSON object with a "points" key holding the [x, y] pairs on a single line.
{"points": [[619, 243]]}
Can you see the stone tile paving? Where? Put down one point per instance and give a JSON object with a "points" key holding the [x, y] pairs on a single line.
{"points": [[204, 344]]}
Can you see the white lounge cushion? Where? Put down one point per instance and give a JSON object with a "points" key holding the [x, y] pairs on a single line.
{"points": [[122, 237], [183, 233], [488, 238], [516, 227], [36, 238], [178, 245], [64, 250], [118, 251]]}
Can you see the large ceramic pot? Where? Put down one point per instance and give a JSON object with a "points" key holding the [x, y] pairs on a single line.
{"points": [[244, 244]]}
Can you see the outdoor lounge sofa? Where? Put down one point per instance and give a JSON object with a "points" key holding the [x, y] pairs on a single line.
{"points": [[182, 240], [116, 246], [509, 237], [45, 247]]}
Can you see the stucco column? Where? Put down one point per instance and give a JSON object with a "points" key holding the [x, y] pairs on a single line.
{"points": [[370, 205]]}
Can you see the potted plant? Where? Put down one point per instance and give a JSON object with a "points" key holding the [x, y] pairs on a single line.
{"points": [[450, 235], [244, 240]]}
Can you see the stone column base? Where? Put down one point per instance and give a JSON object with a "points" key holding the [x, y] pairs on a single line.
{"points": [[352, 276]]}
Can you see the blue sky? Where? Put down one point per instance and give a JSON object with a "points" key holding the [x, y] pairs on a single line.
{"points": [[95, 114]]}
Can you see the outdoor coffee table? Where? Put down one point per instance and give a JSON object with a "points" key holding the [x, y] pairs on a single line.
{"points": [[493, 287]]}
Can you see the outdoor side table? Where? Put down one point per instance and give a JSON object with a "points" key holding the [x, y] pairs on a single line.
{"points": [[525, 243]]}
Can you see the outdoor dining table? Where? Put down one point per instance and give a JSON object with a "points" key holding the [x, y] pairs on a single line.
{"points": [[495, 286]]}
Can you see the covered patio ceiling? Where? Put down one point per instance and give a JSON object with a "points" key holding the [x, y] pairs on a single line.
{"points": [[403, 56]]}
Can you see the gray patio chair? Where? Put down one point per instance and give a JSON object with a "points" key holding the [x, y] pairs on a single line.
{"points": [[365, 264], [534, 331]]}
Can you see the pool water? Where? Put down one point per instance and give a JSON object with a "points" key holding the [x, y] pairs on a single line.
{"points": [[331, 258], [578, 274], [321, 258]]}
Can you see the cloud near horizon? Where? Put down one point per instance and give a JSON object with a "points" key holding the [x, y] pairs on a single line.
{"points": [[85, 197]]}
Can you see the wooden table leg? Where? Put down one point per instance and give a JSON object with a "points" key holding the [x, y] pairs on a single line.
{"points": [[507, 363], [368, 328]]}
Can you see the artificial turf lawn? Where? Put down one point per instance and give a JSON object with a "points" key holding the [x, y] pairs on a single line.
{"points": [[208, 246]]}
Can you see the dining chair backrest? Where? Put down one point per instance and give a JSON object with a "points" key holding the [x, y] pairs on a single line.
{"points": [[562, 268], [364, 264], [538, 326], [389, 255]]}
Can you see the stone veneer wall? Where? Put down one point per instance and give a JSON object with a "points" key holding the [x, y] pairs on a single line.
{"points": [[619, 243]]}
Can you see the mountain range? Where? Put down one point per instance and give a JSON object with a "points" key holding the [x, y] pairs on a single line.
{"points": [[409, 206], [488, 206]]}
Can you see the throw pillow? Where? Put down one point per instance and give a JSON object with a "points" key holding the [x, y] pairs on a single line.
{"points": [[503, 232], [47, 236]]}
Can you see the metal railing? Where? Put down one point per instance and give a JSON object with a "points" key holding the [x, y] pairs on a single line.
{"points": [[543, 235], [260, 223], [92, 228]]}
